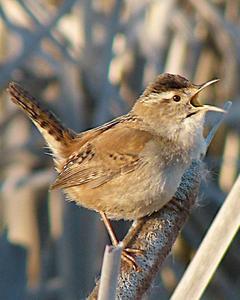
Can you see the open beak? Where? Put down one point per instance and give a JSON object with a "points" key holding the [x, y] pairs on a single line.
{"points": [[199, 106]]}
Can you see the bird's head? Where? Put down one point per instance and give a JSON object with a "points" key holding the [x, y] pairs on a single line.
{"points": [[171, 102]]}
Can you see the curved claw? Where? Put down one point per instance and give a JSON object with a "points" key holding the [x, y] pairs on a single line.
{"points": [[134, 251], [129, 259]]}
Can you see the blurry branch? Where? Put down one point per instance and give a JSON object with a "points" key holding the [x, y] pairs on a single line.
{"points": [[97, 81], [49, 34], [36, 180], [224, 42], [30, 42], [180, 23], [212, 249], [212, 15], [218, 122], [156, 234], [107, 90], [154, 45], [8, 118], [233, 117]]}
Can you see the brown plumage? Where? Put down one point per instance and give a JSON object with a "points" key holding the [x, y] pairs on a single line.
{"points": [[166, 82], [129, 167], [56, 135]]}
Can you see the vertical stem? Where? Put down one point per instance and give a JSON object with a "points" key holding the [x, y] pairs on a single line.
{"points": [[110, 272]]}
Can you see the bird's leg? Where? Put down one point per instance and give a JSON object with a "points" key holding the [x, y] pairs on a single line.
{"points": [[109, 229], [126, 253], [136, 226]]}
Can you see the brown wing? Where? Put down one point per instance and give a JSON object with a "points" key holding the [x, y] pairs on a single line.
{"points": [[114, 152]]}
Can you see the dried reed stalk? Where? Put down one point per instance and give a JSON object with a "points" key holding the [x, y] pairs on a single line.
{"points": [[110, 272], [212, 249]]}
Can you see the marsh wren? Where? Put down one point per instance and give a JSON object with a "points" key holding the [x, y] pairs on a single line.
{"points": [[131, 166]]}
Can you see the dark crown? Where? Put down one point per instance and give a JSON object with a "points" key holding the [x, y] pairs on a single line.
{"points": [[166, 82]]}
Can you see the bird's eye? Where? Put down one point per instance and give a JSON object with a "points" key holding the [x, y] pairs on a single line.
{"points": [[176, 98]]}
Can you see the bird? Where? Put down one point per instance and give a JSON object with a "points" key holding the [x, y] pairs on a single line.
{"points": [[131, 166]]}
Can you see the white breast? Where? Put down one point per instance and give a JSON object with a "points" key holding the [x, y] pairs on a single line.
{"points": [[191, 136]]}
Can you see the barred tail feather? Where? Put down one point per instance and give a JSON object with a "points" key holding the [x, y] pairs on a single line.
{"points": [[55, 134]]}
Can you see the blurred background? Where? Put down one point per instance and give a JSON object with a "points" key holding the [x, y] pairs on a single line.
{"points": [[88, 60]]}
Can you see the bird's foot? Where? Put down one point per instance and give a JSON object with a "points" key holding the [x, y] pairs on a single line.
{"points": [[128, 256]]}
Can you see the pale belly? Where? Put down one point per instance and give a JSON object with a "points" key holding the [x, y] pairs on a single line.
{"points": [[133, 195]]}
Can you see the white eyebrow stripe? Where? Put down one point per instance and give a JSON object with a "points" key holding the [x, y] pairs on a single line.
{"points": [[155, 97]]}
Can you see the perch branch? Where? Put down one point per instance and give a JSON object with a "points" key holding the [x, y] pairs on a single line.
{"points": [[156, 234]]}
